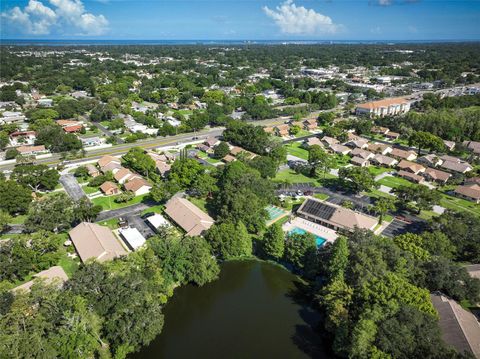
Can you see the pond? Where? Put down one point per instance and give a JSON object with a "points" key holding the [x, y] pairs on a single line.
{"points": [[253, 310]]}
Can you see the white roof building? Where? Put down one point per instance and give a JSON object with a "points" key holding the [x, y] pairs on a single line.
{"points": [[132, 237], [157, 221]]}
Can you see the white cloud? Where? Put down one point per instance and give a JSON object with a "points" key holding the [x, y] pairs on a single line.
{"points": [[67, 15], [292, 19], [384, 2]]}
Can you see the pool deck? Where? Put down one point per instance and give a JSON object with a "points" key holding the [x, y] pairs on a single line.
{"points": [[326, 233]]}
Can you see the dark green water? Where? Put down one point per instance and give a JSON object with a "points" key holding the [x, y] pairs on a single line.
{"points": [[251, 311]]}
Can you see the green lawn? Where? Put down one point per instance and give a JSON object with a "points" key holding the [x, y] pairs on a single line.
{"points": [[111, 223], [291, 176], [395, 182], [294, 149], [374, 170], [302, 133], [199, 202], [322, 196], [375, 193], [90, 190], [68, 264], [207, 158], [108, 203], [157, 209], [340, 160], [459, 204], [20, 219]]}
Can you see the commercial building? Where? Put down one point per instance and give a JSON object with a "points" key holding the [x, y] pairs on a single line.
{"points": [[333, 216], [386, 107]]}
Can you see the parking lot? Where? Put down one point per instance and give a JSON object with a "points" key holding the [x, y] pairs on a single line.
{"points": [[138, 222], [398, 227]]}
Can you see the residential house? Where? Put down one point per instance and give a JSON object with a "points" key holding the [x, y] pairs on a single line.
{"points": [[340, 149], [105, 160], [124, 174], [411, 176], [204, 148], [403, 155], [162, 167], [385, 107], [334, 216], [469, 192], [109, 188], [32, 150], [329, 141], [385, 161], [113, 167], [459, 327], [270, 130], [450, 145], [411, 167], [430, 160], [472, 146], [93, 241], [188, 216], [228, 158], [358, 152], [472, 180], [380, 130], [132, 237], [53, 275], [92, 170], [359, 143], [392, 135], [92, 141], [68, 123], [359, 161], [73, 129], [211, 142], [282, 130], [311, 141], [45, 102], [22, 138], [138, 185], [380, 148], [310, 124], [9, 117], [457, 166], [435, 175]]}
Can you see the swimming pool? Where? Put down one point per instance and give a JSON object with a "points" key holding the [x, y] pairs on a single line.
{"points": [[319, 240], [274, 212]]}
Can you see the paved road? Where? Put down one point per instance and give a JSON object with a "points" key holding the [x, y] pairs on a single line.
{"points": [[73, 189], [123, 148], [14, 229], [398, 227], [106, 132], [123, 212]]}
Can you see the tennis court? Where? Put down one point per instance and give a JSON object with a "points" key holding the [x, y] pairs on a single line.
{"points": [[274, 212]]}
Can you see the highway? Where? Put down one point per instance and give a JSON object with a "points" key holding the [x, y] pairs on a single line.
{"points": [[123, 148]]}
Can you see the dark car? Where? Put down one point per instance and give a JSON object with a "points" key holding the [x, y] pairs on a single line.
{"points": [[148, 214]]}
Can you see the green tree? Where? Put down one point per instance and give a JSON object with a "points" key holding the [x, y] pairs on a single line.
{"points": [[382, 206], [229, 240], [318, 158], [221, 150], [358, 179], [274, 242], [299, 249], [36, 176], [52, 213], [5, 219], [424, 140], [15, 197], [139, 161]]}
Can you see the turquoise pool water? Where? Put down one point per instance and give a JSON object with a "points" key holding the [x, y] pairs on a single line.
{"points": [[319, 240], [274, 212]]}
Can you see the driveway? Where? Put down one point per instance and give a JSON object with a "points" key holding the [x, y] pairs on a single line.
{"points": [[134, 220], [73, 189], [106, 131]]}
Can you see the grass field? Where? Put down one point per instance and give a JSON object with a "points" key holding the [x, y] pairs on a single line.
{"points": [[291, 176], [374, 170], [340, 161], [110, 223], [459, 204], [395, 182], [68, 264], [199, 202], [322, 196], [295, 149], [108, 203], [20, 219]]}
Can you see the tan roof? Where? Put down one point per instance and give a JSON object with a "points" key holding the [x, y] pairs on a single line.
{"points": [[228, 158], [111, 167], [94, 241], [472, 191], [162, 167], [108, 186], [456, 166], [68, 122], [54, 274], [91, 168], [397, 152], [236, 150], [459, 327], [411, 166], [330, 140], [411, 176], [137, 183], [392, 134], [27, 149], [105, 160], [377, 147], [473, 270], [314, 141], [337, 215], [383, 103], [188, 216], [122, 173], [384, 160], [340, 148], [358, 152], [359, 160], [437, 174]]}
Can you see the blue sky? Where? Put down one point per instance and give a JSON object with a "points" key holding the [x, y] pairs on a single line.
{"points": [[241, 19]]}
